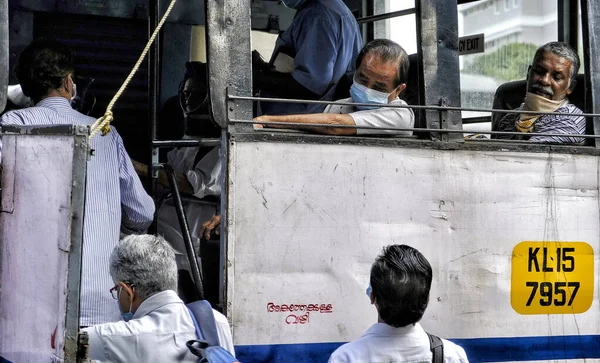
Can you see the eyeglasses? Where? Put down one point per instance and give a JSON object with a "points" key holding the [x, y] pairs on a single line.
{"points": [[114, 291]]}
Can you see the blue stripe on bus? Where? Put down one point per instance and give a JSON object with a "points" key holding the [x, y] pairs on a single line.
{"points": [[478, 350]]}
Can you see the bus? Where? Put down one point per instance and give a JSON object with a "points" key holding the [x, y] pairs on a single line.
{"points": [[510, 228]]}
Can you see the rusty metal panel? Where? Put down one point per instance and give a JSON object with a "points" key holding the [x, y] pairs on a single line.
{"points": [[40, 243], [229, 58], [306, 220], [3, 52], [439, 74]]}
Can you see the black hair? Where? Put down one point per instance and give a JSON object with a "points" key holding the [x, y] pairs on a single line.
{"points": [[401, 280], [43, 66], [387, 51]]}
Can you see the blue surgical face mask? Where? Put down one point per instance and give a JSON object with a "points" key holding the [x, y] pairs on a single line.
{"points": [[363, 94], [293, 4], [128, 315], [369, 291]]}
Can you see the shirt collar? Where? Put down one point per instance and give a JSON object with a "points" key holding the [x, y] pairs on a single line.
{"points": [[55, 102], [388, 330], [157, 301]]}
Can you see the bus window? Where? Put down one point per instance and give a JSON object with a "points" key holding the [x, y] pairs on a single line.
{"points": [[262, 41], [513, 30], [400, 29]]}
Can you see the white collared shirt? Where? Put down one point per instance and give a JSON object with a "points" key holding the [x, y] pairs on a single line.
{"points": [[377, 117], [384, 343], [157, 333]]}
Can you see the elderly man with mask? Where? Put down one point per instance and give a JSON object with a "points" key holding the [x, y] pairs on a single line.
{"points": [[381, 74], [114, 194], [156, 323], [550, 80], [310, 58]]}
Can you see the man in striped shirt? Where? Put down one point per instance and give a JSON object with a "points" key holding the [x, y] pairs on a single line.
{"points": [[550, 80], [115, 198]]}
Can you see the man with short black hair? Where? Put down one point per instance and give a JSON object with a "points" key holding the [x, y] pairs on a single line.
{"points": [[114, 194], [399, 288], [551, 78], [381, 75]]}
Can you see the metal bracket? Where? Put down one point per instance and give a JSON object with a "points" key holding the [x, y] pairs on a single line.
{"points": [[8, 173], [443, 119]]}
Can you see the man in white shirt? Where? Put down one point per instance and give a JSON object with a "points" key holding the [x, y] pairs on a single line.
{"points": [[156, 324], [381, 74], [399, 289]]}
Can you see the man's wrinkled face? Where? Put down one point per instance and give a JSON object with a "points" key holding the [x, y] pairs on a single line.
{"points": [[549, 76], [378, 76]]}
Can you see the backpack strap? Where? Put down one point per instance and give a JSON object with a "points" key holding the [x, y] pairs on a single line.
{"points": [[437, 348], [204, 321]]}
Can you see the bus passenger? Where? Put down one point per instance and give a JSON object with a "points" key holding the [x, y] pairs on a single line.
{"points": [[551, 78], [114, 194], [399, 288], [381, 74], [310, 58], [156, 323]]}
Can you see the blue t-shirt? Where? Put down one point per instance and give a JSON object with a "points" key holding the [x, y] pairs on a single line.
{"points": [[324, 40]]}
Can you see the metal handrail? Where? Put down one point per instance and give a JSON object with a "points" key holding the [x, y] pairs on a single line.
{"points": [[304, 125], [416, 107], [195, 265]]}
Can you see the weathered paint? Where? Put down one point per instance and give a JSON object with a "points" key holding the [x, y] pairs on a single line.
{"points": [[305, 222], [36, 247]]}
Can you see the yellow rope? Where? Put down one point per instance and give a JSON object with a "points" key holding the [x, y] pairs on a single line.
{"points": [[103, 123]]}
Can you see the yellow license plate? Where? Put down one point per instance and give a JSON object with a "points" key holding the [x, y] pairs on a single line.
{"points": [[552, 277]]}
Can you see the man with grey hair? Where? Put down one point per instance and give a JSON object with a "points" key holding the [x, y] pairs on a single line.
{"points": [[380, 77], [551, 78], [156, 323]]}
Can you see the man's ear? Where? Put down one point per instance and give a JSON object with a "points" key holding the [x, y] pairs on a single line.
{"points": [[68, 84], [397, 92], [571, 86]]}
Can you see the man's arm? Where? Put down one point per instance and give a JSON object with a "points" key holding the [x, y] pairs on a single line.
{"points": [[137, 205], [182, 183], [332, 119]]}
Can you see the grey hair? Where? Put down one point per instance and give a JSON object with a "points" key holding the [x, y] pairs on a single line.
{"points": [[146, 261], [388, 52], [562, 50]]}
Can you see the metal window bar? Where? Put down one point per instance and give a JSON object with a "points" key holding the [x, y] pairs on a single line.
{"points": [[195, 265], [450, 131], [416, 107], [394, 14]]}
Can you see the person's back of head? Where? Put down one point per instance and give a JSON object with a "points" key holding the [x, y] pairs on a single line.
{"points": [[43, 67], [146, 262], [400, 280]]}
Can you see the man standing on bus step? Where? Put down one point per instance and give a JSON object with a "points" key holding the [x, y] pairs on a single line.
{"points": [[381, 74], [156, 324], [551, 78], [311, 57], [114, 194], [399, 288]]}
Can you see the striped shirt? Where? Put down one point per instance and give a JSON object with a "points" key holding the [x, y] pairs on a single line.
{"points": [[114, 197], [550, 124]]}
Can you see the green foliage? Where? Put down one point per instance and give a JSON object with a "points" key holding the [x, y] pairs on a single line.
{"points": [[507, 63]]}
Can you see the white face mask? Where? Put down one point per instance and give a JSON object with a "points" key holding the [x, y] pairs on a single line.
{"points": [[363, 94]]}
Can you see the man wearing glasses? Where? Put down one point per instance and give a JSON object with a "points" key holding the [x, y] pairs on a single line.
{"points": [[156, 323]]}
